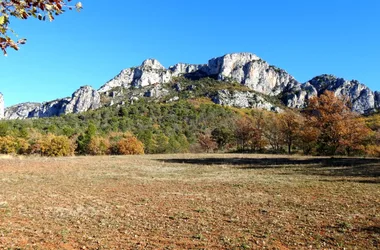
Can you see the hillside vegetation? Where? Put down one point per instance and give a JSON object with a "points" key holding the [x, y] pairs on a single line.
{"points": [[326, 127]]}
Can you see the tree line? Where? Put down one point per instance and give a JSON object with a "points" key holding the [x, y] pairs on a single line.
{"points": [[325, 127]]}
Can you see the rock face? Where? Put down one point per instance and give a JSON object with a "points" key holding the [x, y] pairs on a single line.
{"points": [[1, 106], [251, 71], [83, 99], [241, 69], [243, 99], [48, 109], [361, 97], [150, 72], [20, 111], [156, 92], [245, 68]]}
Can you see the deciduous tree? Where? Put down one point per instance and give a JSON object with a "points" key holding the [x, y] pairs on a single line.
{"points": [[290, 124], [336, 126]]}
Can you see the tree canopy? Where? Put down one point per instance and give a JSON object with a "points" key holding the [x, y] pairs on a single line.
{"points": [[24, 9]]}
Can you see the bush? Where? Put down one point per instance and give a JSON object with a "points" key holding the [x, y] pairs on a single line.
{"points": [[207, 143], [51, 145], [12, 145], [130, 146], [99, 146], [373, 150]]}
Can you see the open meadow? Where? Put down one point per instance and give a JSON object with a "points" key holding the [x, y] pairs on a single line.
{"points": [[185, 201]]}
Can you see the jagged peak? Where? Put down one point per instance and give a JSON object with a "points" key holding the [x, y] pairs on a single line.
{"points": [[152, 63], [25, 103], [248, 55], [83, 89], [331, 77], [86, 87], [243, 57]]}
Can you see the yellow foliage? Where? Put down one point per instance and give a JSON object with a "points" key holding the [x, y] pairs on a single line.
{"points": [[373, 150], [99, 146], [12, 145], [130, 146], [52, 145]]}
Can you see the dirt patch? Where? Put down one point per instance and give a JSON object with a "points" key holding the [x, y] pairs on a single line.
{"points": [[187, 202]]}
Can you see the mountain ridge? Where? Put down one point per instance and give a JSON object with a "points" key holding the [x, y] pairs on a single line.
{"points": [[151, 79]]}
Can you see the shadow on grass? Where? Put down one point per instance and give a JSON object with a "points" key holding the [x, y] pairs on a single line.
{"points": [[375, 230], [340, 167]]}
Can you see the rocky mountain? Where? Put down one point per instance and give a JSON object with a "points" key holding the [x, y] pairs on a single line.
{"points": [[244, 68], [240, 80], [84, 99]]}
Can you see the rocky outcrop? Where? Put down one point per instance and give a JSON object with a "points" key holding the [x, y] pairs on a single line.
{"points": [[251, 71], [363, 100], [298, 96], [83, 99], [245, 68], [243, 99], [20, 111], [48, 109], [150, 72], [251, 79], [1, 106], [184, 68], [156, 92], [361, 97]]}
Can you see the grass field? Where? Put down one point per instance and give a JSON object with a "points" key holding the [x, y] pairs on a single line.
{"points": [[189, 202]]}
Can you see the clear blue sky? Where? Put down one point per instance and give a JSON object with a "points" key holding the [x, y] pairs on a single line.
{"points": [[306, 38]]}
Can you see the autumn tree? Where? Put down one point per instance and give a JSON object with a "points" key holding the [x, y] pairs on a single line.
{"points": [[12, 145], [336, 126], [258, 141], [272, 132], [290, 124], [24, 9], [308, 135], [222, 136], [207, 143], [243, 132], [130, 145], [98, 146], [52, 146]]}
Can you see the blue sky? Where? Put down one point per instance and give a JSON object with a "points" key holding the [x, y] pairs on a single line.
{"points": [[306, 38]]}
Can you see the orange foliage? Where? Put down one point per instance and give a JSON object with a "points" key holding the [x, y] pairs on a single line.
{"points": [[335, 128], [99, 146], [207, 143], [130, 146]]}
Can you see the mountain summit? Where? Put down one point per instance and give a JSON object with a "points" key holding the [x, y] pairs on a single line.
{"points": [[239, 79]]}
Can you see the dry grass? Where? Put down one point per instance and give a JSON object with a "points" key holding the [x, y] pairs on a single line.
{"points": [[189, 202]]}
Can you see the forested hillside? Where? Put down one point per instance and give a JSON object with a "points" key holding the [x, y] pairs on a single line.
{"points": [[326, 127]]}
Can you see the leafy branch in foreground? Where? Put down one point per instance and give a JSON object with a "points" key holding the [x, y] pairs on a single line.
{"points": [[24, 9]]}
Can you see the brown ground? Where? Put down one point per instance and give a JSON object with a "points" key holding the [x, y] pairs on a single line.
{"points": [[189, 202]]}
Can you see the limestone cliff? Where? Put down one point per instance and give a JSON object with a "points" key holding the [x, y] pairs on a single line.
{"points": [[363, 100], [244, 68], [249, 77], [85, 98]]}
